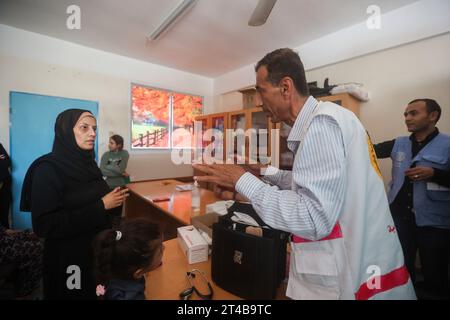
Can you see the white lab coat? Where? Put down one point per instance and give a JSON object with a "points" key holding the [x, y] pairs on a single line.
{"points": [[362, 258]]}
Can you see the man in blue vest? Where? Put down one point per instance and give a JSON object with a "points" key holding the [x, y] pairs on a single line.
{"points": [[419, 193]]}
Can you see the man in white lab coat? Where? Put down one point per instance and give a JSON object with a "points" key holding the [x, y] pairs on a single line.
{"points": [[344, 244]]}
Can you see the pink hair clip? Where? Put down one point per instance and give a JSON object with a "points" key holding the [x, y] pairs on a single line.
{"points": [[100, 290]]}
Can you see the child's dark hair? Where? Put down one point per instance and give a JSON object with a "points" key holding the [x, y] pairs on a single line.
{"points": [[118, 254]]}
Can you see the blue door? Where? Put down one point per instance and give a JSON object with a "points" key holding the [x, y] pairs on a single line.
{"points": [[32, 121]]}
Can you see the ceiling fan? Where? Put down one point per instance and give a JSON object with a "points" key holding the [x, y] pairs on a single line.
{"points": [[261, 12], [258, 18]]}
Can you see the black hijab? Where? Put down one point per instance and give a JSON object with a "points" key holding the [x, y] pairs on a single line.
{"points": [[68, 158], [5, 164]]}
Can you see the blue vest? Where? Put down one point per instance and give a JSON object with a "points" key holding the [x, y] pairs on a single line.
{"points": [[431, 202]]}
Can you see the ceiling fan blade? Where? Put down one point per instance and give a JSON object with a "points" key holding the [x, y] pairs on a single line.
{"points": [[261, 12]]}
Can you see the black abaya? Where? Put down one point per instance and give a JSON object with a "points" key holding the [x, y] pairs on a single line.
{"points": [[64, 190]]}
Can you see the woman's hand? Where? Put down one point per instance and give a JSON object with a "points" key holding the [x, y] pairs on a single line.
{"points": [[115, 198]]}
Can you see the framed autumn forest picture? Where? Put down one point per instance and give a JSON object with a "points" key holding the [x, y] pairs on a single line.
{"points": [[162, 119]]}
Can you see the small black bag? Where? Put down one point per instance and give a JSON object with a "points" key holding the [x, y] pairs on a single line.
{"points": [[244, 264]]}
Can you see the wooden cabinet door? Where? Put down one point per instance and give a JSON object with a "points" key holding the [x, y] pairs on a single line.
{"points": [[206, 124], [219, 121], [260, 120], [239, 121], [200, 143], [345, 100]]}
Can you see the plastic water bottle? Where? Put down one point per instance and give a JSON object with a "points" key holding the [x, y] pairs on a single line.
{"points": [[195, 198]]}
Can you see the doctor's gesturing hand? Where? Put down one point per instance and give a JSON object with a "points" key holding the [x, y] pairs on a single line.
{"points": [[225, 175]]}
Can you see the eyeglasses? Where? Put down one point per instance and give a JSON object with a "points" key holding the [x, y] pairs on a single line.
{"points": [[186, 294]]}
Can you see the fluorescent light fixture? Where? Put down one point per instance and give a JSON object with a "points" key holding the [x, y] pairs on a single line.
{"points": [[173, 17]]}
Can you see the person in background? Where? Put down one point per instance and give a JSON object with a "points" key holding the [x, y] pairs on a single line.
{"points": [[69, 203], [124, 256], [419, 194], [333, 201], [114, 163], [5, 187], [23, 249]]}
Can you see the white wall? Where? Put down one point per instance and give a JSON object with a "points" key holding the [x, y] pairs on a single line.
{"points": [[406, 59], [230, 101], [38, 64], [414, 22], [395, 77]]}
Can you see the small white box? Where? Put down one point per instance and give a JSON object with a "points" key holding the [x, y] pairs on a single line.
{"points": [[193, 245]]}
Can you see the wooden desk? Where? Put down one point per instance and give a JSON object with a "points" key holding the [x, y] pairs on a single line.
{"points": [[167, 281], [169, 214]]}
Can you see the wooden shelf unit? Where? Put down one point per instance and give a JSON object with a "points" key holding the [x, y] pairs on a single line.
{"points": [[256, 118]]}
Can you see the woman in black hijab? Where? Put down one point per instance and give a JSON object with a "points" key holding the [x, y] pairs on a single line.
{"points": [[69, 202]]}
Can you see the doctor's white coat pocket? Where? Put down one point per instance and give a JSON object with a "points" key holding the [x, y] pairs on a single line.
{"points": [[313, 275]]}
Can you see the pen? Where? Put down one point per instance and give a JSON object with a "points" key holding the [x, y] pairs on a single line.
{"points": [[160, 199]]}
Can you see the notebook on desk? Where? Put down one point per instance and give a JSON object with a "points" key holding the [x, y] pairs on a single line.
{"points": [[184, 187]]}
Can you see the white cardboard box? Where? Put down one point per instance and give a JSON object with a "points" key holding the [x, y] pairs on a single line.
{"points": [[194, 247], [205, 221]]}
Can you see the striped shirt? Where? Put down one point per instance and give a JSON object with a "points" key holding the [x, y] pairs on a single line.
{"points": [[306, 201]]}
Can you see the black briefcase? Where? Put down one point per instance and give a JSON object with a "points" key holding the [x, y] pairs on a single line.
{"points": [[249, 266]]}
